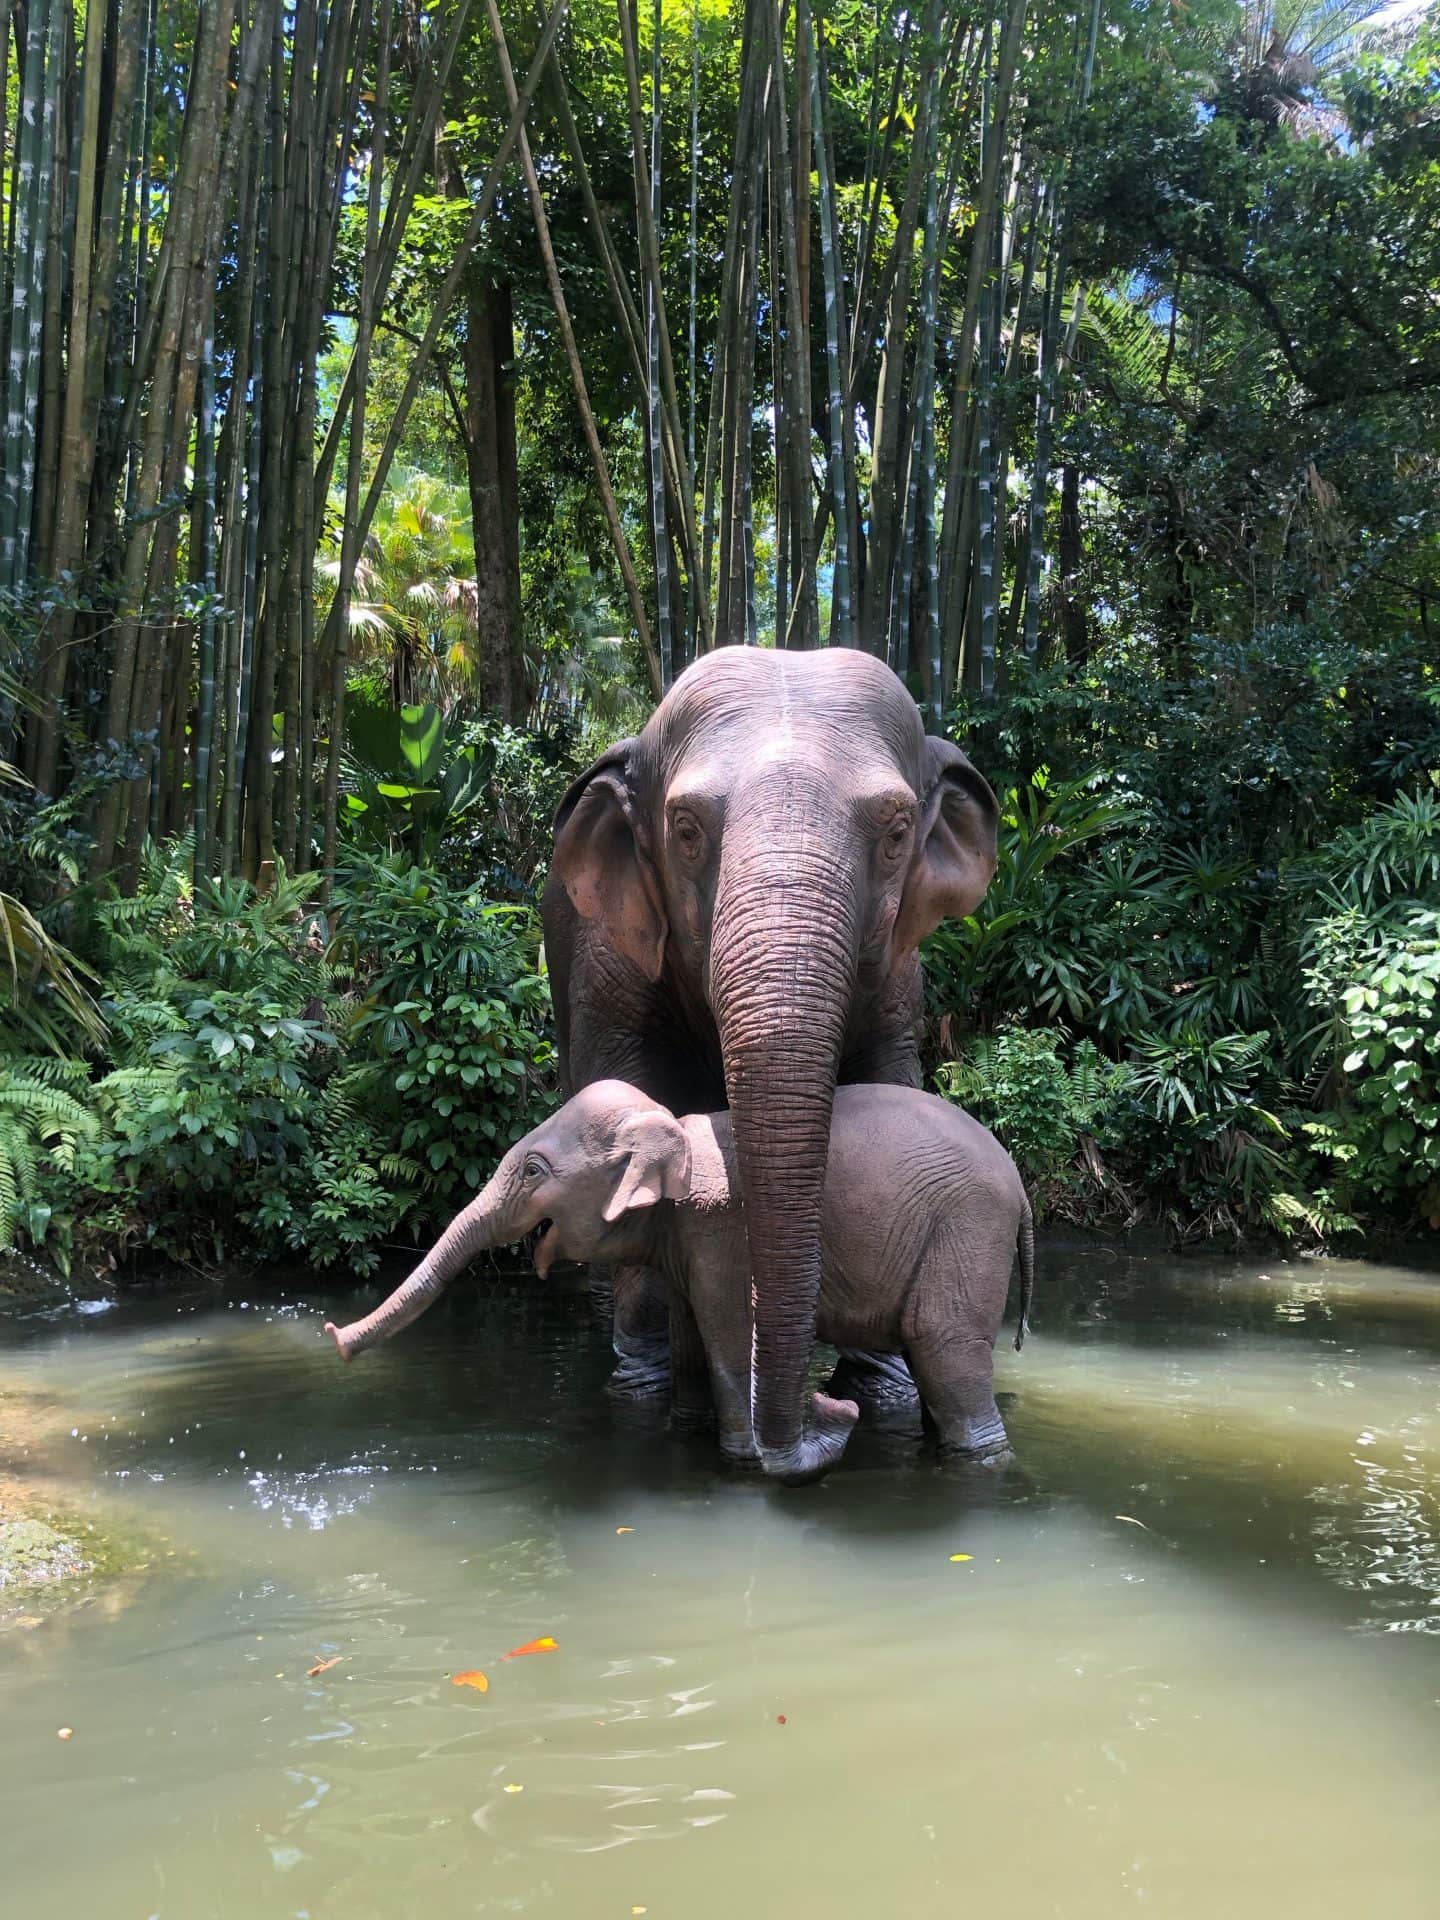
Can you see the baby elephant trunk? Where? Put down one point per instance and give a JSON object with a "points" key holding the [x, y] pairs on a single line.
{"points": [[484, 1223]]}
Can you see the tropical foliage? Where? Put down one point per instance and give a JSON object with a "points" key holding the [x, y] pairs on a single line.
{"points": [[394, 398]]}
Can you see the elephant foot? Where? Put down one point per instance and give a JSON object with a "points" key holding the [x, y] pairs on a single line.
{"points": [[881, 1385], [820, 1445], [979, 1443]]}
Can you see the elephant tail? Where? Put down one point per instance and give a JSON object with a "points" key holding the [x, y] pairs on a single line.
{"points": [[1025, 1245]]}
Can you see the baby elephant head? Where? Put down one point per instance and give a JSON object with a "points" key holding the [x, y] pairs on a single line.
{"points": [[587, 1174]]}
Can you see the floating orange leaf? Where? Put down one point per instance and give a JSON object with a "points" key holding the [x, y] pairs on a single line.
{"points": [[472, 1677], [626, 1530], [543, 1645], [323, 1666], [961, 1556]]}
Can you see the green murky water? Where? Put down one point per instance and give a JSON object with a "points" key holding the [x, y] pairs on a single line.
{"points": [[1232, 1708]]}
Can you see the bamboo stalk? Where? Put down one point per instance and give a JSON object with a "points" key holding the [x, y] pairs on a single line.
{"points": [[135, 675], [360, 364], [663, 618], [411, 167], [720, 432], [681, 512], [8, 198], [233, 823], [205, 689], [841, 469], [30, 216], [57, 205], [956, 587], [922, 408], [96, 252], [162, 690], [803, 618], [460, 261], [693, 383], [577, 372], [1045, 390]]}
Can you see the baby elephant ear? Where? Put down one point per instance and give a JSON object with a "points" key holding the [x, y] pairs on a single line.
{"points": [[600, 861], [954, 857], [654, 1154]]}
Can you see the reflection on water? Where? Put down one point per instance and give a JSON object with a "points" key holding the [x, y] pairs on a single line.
{"points": [[1190, 1665]]}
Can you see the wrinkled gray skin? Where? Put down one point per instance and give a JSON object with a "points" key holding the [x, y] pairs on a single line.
{"points": [[921, 1216], [731, 920]]}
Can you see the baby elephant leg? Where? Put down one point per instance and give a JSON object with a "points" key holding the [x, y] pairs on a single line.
{"points": [[956, 1377], [640, 1333], [691, 1407], [720, 1316], [949, 1325]]}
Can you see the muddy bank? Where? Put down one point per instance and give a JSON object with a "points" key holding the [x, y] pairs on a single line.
{"points": [[52, 1556], [52, 1553]]}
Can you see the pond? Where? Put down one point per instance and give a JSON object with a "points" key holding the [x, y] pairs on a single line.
{"points": [[1189, 1663]]}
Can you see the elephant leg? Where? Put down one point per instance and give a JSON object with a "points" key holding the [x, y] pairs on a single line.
{"points": [[602, 1294], [722, 1327], [640, 1335], [880, 1384], [691, 1407], [956, 1376]]}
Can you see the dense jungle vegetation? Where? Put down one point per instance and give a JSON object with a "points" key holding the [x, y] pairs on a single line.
{"points": [[395, 397]]}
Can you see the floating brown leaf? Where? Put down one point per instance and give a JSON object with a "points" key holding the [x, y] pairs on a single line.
{"points": [[323, 1666]]}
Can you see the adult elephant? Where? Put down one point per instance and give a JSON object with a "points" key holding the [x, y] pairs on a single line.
{"points": [[732, 916]]}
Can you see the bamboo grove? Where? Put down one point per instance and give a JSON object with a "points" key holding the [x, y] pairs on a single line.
{"points": [[806, 268]]}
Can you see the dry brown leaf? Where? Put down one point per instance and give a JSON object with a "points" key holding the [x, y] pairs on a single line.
{"points": [[323, 1666]]}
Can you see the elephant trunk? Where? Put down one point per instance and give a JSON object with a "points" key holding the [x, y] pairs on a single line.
{"points": [[782, 977], [488, 1221]]}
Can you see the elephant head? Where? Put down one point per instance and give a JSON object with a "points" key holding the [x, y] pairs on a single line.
{"points": [[775, 845], [593, 1171]]}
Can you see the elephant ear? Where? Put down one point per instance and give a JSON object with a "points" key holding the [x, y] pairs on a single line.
{"points": [[654, 1153], [600, 861], [954, 857]]}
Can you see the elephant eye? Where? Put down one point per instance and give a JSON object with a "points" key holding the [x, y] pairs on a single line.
{"points": [[689, 834], [535, 1168], [896, 835]]}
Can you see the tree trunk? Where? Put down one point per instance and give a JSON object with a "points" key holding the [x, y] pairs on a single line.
{"points": [[489, 462], [1074, 622]]}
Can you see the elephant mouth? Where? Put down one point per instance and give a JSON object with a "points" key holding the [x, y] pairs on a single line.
{"points": [[546, 1247]]}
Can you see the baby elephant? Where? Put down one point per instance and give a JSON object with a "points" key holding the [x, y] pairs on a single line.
{"points": [[922, 1214]]}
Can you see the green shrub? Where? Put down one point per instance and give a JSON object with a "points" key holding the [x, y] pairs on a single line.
{"points": [[448, 1040], [44, 1122], [1371, 964], [268, 1089], [1042, 1106]]}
